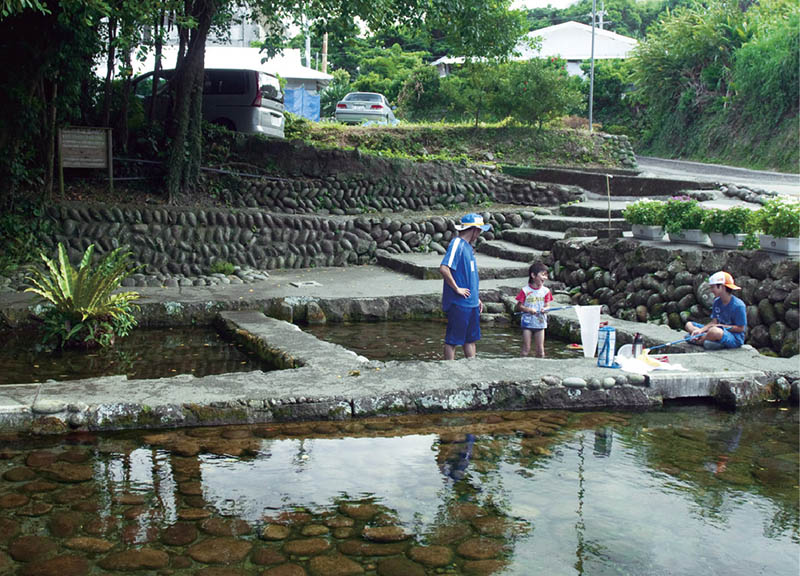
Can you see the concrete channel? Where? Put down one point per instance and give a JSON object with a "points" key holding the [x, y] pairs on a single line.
{"points": [[320, 380]]}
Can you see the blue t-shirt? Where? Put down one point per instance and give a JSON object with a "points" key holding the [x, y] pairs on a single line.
{"points": [[735, 314], [460, 258]]}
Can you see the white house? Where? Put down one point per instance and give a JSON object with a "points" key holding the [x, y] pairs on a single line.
{"points": [[286, 64], [571, 41]]}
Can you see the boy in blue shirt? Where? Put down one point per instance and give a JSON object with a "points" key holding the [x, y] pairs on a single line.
{"points": [[460, 299], [728, 317]]}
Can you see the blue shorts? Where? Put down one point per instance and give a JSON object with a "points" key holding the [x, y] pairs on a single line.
{"points": [[728, 340], [463, 325]]}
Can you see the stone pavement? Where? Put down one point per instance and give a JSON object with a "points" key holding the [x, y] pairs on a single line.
{"points": [[325, 381]]}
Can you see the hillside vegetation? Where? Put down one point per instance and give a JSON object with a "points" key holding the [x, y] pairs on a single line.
{"points": [[494, 143]]}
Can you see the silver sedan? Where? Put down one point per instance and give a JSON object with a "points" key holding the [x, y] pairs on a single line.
{"points": [[359, 107]]}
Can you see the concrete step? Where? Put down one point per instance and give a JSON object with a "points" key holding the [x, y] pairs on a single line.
{"points": [[538, 239], [562, 223], [426, 266], [594, 209], [510, 251]]}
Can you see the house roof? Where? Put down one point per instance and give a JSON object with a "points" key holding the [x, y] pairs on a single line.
{"points": [[573, 41], [285, 64]]}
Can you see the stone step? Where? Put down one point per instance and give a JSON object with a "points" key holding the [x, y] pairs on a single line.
{"points": [[426, 266], [562, 223], [510, 251], [538, 239]]}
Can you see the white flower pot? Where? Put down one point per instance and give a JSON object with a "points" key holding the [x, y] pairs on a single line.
{"points": [[785, 246], [645, 232], [726, 241], [692, 236]]}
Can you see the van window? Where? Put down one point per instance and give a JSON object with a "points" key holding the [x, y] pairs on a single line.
{"points": [[225, 82]]}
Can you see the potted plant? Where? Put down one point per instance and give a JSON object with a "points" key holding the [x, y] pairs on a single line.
{"points": [[727, 227], [646, 218], [682, 218], [780, 222]]}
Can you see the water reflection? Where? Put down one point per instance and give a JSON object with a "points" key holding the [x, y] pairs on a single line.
{"points": [[683, 491]]}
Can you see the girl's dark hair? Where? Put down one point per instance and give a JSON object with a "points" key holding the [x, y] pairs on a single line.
{"points": [[536, 267]]}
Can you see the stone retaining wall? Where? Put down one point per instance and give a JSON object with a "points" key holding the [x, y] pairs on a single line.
{"points": [[174, 241], [663, 286]]}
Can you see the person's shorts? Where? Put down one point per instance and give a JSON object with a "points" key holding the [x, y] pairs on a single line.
{"points": [[728, 340], [463, 325]]}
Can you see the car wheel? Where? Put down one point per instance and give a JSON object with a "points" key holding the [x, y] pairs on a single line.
{"points": [[225, 123]]}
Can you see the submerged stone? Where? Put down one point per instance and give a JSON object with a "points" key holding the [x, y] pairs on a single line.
{"points": [[179, 534], [480, 548], [434, 556], [28, 548], [334, 565], [68, 472], [20, 474], [138, 559], [264, 556], [400, 567], [306, 546], [285, 570], [89, 544], [275, 532], [384, 534], [67, 565], [220, 551]]}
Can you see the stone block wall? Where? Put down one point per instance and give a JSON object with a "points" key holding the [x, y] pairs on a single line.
{"points": [[176, 241], [663, 286], [344, 193]]}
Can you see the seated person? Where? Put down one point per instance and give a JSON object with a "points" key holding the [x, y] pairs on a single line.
{"points": [[728, 317]]}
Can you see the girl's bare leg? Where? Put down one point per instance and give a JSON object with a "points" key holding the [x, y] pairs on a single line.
{"points": [[526, 343], [538, 340]]}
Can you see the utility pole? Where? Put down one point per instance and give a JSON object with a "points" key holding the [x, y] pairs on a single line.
{"points": [[591, 73], [308, 41], [325, 53]]}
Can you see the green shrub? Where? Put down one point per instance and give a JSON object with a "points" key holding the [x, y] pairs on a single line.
{"points": [[296, 127], [682, 213], [779, 218], [645, 213], [21, 231], [80, 308], [222, 267], [734, 220]]}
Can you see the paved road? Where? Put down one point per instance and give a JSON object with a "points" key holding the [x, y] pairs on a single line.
{"points": [[788, 184]]}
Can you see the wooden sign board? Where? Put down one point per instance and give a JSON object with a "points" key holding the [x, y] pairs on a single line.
{"points": [[85, 147]]}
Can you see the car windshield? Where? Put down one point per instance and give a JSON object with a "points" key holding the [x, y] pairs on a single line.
{"points": [[363, 97]]}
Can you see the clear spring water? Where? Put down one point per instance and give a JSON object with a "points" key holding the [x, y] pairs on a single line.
{"points": [[145, 353], [688, 490], [424, 340]]}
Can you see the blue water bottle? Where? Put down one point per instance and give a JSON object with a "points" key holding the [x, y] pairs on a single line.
{"points": [[606, 344]]}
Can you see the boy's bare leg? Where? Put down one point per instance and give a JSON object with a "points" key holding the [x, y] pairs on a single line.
{"points": [[470, 350], [714, 334], [449, 352], [538, 341], [526, 343]]}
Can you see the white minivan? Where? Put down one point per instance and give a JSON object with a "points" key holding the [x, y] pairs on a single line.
{"points": [[242, 100]]}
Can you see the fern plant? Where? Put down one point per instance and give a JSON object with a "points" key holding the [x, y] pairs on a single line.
{"points": [[80, 306]]}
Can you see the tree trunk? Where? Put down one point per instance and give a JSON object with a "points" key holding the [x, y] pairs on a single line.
{"points": [[185, 150], [112, 34], [122, 125], [158, 29], [50, 92]]}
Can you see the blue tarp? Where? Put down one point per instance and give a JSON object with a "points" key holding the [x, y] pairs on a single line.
{"points": [[302, 102]]}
